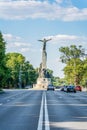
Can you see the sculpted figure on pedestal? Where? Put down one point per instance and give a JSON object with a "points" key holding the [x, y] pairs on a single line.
{"points": [[43, 66]]}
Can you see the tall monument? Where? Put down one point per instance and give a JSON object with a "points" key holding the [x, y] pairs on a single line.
{"points": [[43, 65], [43, 79]]}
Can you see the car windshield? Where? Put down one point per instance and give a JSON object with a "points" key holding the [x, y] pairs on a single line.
{"points": [[50, 86], [71, 86]]}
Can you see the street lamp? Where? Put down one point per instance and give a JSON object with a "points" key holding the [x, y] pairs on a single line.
{"points": [[20, 78]]}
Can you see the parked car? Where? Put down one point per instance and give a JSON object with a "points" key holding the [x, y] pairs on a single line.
{"points": [[65, 88], [28, 87], [62, 88], [57, 87], [71, 88], [78, 88], [50, 87]]}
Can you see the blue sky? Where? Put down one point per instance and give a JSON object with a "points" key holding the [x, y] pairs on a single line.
{"points": [[24, 22]]}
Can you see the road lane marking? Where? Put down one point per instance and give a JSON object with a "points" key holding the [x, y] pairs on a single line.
{"points": [[46, 119], [47, 127], [40, 122]]}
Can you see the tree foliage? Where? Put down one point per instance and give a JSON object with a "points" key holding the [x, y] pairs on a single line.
{"points": [[73, 58], [72, 52], [13, 63], [21, 72], [2, 60]]}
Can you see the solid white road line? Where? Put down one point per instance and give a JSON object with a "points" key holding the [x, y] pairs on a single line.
{"points": [[47, 127], [40, 122]]}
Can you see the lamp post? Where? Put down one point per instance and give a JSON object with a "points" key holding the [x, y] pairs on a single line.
{"points": [[20, 78]]}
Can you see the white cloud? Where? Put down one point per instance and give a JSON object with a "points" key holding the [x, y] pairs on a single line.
{"points": [[67, 40], [21, 44], [60, 39], [59, 1], [37, 9], [11, 38], [24, 49], [15, 43]]}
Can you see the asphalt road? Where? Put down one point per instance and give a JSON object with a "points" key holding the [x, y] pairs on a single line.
{"points": [[43, 110]]}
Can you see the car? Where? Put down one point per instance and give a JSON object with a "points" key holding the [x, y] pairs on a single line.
{"points": [[78, 88], [71, 88], [62, 88], [28, 87], [50, 87], [65, 88], [57, 87]]}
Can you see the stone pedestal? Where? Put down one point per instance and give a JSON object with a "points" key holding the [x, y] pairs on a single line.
{"points": [[42, 83]]}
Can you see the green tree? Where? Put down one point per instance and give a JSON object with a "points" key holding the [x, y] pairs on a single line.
{"points": [[2, 61], [13, 63], [72, 52], [73, 58], [29, 73], [20, 72], [49, 73], [84, 79], [74, 71]]}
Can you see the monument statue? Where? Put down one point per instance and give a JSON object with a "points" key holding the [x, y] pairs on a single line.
{"points": [[43, 80], [43, 66]]}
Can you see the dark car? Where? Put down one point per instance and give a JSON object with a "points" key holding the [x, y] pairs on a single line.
{"points": [[71, 89], [78, 88], [50, 87]]}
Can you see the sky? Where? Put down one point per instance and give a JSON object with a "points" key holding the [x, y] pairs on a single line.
{"points": [[24, 22]]}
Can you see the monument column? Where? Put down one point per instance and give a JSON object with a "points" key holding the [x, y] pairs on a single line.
{"points": [[44, 58], [43, 80]]}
